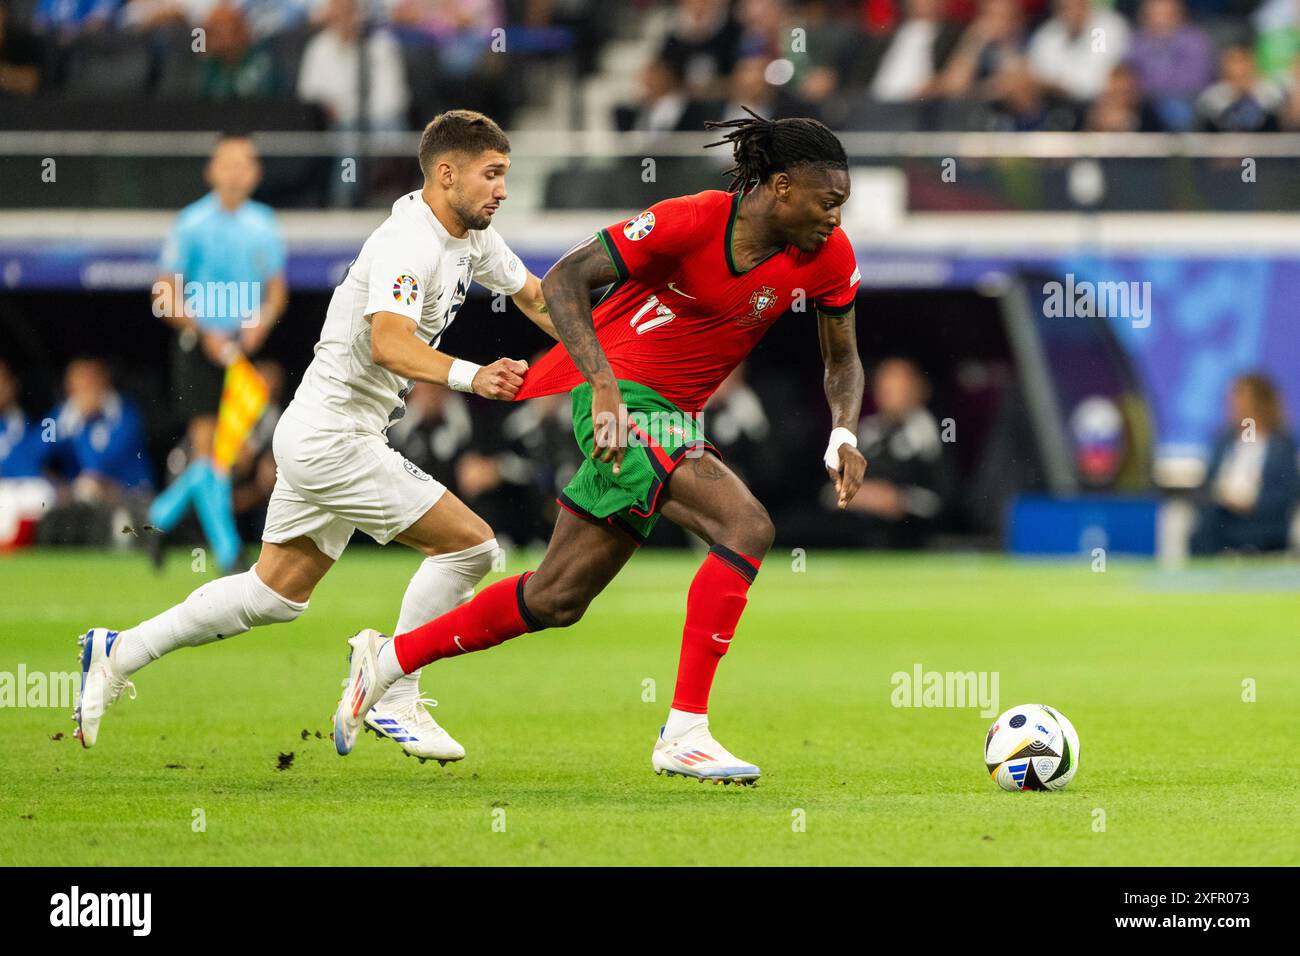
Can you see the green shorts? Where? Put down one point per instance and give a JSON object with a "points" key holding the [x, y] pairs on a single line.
{"points": [[659, 436]]}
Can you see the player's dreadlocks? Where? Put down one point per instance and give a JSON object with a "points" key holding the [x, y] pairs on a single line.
{"points": [[762, 147]]}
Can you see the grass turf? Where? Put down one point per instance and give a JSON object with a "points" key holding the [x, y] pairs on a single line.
{"points": [[1176, 768]]}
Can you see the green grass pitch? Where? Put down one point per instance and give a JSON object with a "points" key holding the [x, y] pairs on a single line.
{"points": [[1176, 767]]}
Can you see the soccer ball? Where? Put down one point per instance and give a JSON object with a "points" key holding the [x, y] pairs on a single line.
{"points": [[1032, 747]]}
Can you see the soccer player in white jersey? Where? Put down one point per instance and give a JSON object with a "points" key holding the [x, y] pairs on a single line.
{"points": [[336, 472]]}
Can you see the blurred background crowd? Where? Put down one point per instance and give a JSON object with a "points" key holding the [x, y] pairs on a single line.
{"points": [[1124, 65], [977, 399]]}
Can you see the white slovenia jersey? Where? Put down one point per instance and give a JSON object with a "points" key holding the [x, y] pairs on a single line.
{"points": [[412, 266]]}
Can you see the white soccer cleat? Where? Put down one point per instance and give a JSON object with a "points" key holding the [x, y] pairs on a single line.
{"points": [[696, 754], [361, 690], [101, 684], [410, 727]]}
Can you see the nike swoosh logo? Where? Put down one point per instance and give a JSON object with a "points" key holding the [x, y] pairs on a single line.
{"points": [[456, 638], [722, 640], [679, 291]]}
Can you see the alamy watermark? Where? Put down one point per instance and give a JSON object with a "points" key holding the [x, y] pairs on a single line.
{"points": [[660, 429], [199, 300], [38, 689], [922, 688], [1074, 299]]}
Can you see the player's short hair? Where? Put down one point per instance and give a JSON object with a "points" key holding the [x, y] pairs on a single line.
{"points": [[459, 131], [762, 147]]}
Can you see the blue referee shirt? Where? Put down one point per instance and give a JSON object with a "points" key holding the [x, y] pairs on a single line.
{"points": [[211, 248]]}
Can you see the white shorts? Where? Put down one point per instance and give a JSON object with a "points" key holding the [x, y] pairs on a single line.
{"points": [[329, 483]]}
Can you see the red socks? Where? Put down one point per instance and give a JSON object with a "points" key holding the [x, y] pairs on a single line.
{"points": [[493, 616], [713, 607], [716, 599]]}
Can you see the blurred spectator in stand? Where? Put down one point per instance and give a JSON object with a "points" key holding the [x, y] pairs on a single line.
{"points": [[97, 459], [234, 67], [21, 56], [665, 105], [915, 55], [1022, 104], [807, 60], [62, 23], [461, 27], [1291, 112], [995, 39], [909, 484], [435, 429], [1074, 51], [1242, 101], [99, 436], [1173, 60], [1277, 36], [65, 20], [20, 454], [331, 66], [748, 86], [1252, 482], [739, 428], [265, 18], [1120, 108], [702, 42], [516, 470], [465, 72], [25, 494]]}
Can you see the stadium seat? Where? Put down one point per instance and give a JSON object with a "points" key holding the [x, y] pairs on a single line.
{"points": [[108, 66], [178, 67], [872, 117], [957, 115]]}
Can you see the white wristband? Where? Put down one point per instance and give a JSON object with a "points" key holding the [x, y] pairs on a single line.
{"points": [[461, 375], [839, 436]]}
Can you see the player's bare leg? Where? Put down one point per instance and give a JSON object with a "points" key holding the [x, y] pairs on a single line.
{"points": [[582, 558], [275, 590], [580, 561], [459, 548], [705, 497]]}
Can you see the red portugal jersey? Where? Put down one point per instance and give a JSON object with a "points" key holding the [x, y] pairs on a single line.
{"points": [[680, 317]]}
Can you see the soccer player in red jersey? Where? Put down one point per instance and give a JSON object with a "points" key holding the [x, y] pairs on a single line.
{"points": [[694, 282]]}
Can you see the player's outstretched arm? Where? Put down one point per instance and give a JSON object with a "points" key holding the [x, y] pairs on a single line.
{"points": [[567, 289], [532, 303], [844, 382], [394, 346]]}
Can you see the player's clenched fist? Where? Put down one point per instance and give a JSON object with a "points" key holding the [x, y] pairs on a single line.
{"points": [[500, 380]]}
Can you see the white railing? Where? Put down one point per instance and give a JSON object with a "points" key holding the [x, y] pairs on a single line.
{"points": [[595, 144]]}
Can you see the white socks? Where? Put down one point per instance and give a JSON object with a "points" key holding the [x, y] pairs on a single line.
{"points": [[439, 584], [221, 608], [680, 722], [234, 604]]}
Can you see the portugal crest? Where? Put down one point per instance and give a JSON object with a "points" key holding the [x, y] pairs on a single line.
{"points": [[760, 301]]}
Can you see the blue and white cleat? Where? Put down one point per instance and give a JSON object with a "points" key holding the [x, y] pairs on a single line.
{"points": [[409, 725], [361, 690], [696, 754], [101, 684]]}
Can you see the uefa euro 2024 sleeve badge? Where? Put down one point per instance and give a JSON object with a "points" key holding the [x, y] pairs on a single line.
{"points": [[639, 227], [406, 289]]}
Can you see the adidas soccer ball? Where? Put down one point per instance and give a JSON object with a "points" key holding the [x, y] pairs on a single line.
{"points": [[1032, 747]]}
